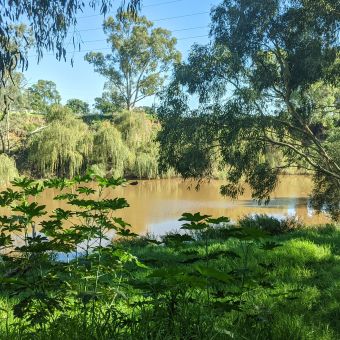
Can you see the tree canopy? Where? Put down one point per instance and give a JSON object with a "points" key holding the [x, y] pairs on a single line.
{"points": [[140, 56], [48, 21], [268, 79], [42, 95], [78, 106]]}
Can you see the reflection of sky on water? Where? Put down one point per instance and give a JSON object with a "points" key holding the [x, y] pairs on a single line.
{"points": [[287, 206], [163, 227]]}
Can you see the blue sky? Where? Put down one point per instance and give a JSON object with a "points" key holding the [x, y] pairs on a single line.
{"points": [[80, 81]]}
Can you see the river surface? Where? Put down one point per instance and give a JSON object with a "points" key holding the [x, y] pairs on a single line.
{"points": [[156, 205]]}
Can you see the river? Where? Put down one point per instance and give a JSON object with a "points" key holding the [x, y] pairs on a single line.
{"points": [[156, 205]]}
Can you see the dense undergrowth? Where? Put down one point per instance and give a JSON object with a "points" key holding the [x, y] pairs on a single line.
{"points": [[63, 278]]}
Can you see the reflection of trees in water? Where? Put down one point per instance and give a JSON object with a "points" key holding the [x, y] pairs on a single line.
{"points": [[158, 202]]}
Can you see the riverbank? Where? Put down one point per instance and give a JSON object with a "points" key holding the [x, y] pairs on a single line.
{"points": [[224, 284]]}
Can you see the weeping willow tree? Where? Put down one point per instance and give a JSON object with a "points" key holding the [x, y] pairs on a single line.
{"points": [[109, 149], [62, 148], [139, 132], [8, 169], [146, 165]]}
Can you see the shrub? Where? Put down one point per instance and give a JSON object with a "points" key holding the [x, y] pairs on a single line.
{"points": [[270, 224]]}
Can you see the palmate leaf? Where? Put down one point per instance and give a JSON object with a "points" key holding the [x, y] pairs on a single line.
{"points": [[197, 217], [109, 182], [85, 190], [194, 226], [61, 214], [50, 227], [213, 273], [5, 240], [219, 220], [89, 176], [121, 222], [8, 196], [34, 189], [126, 233], [22, 182], [63, 197], [12, 223], [31, 209], [58, 183], [107, 204]]}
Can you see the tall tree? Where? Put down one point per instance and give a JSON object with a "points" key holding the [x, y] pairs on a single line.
{"points": [[12, 97], [140, 57], [42, 95], [259, 84], [78, 106]]}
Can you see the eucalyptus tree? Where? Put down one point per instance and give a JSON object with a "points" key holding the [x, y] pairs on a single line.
{"points": [[140, 56], [267, 81], [42, 95], [78, 106], [109, 102]]}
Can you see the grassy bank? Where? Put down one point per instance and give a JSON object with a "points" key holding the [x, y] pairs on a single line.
{"points": [[289, 292]]}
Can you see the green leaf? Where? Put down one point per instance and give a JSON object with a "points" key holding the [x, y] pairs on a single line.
{"points": [[218, 220], [61, 214], [31, 210], [86, 190], [194, 226], [213, 273], [8, 196], [22, 182], [197, 217], [63, 197], [126, 233]]}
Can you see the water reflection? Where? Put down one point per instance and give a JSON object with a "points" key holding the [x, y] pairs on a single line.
{"points": [[156, 205]]}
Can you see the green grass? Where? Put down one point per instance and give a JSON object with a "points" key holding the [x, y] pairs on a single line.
{"points": [[298, 296]]}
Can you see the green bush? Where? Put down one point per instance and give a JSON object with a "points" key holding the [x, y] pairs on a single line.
{"points": [[270, 224]]}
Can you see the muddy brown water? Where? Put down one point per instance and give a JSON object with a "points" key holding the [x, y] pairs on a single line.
{"points": [[156, 205]]}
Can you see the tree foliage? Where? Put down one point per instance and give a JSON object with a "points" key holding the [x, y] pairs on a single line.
{"points": [[42, 95], [66, 146], [48, 20], [78, 106], [140, 56], [267, 81], [8, 169], [109, 149], [62, 148]]}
